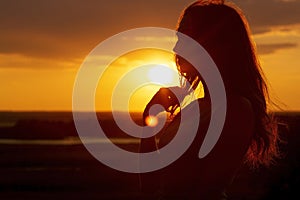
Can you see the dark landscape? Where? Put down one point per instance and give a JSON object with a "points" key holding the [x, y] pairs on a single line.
{"points": [[43, 158]]}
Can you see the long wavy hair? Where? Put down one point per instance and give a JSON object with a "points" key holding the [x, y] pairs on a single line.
{"points": [[223, 31]]}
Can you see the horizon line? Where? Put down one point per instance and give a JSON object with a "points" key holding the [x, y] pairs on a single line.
{"points": [[106, 111]]}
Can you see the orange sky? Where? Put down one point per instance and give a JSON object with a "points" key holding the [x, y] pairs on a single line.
{"points": [[43, 43]]}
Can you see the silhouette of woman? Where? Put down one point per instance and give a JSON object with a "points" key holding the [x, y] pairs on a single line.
{"points": [[249, 134]]}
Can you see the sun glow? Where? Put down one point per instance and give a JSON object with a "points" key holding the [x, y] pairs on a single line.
{"points": [[151, 121], [161, 74], [154, 67]]}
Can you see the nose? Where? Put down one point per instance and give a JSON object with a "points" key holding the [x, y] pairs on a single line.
{"points": [[175, 48], [179, 44]]}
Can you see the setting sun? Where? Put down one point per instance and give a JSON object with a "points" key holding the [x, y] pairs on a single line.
{"points": [[155, 67], [161, 74]]}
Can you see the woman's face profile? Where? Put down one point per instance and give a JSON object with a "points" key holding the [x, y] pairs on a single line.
{"points": [[185, 68]]}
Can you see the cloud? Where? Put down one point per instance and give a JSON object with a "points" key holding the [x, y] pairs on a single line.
{"points": [[263, 15], [68, 30], [71, 28], [16, 61], [272, 48], [155, 39]]}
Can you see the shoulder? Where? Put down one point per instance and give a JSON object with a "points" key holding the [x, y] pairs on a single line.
{"points": [[240, 107], [240, 120]]}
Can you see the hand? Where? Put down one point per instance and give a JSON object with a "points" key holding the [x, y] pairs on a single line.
{"points": [[167, 98]]}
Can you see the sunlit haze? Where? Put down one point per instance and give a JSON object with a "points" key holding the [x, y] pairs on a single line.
{"points": [[42, 46], [159, 71]]}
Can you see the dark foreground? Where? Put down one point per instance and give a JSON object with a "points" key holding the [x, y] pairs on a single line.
{"points": [[65, 169]]}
